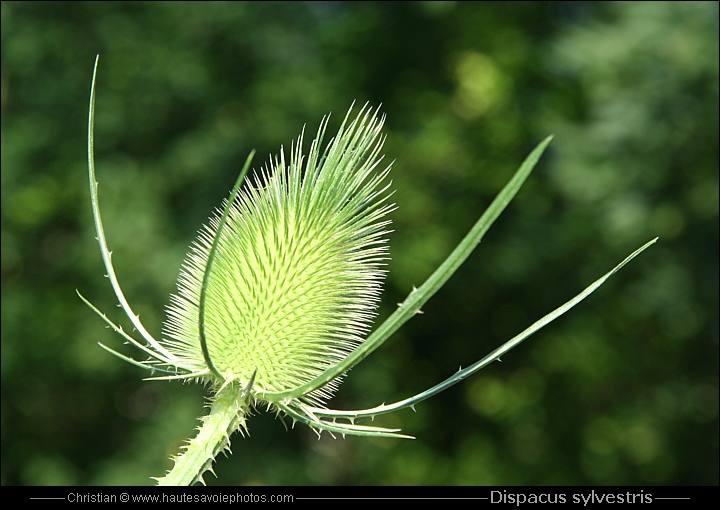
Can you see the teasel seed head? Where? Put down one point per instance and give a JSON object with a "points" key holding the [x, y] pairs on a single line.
{"points": [[297, 271]]}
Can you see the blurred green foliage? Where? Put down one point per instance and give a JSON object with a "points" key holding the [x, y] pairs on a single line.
{"points": [[624, 390]]}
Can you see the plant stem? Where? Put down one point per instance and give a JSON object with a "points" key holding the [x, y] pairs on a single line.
{"points": [[227, 414]]}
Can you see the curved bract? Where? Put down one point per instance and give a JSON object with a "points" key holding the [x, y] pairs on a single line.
{"points": [[275, 298]]}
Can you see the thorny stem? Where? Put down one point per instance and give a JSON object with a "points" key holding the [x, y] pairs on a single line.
{"points": [[227, 414]]}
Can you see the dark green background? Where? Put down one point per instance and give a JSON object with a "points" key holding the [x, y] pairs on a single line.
{"points": [[623, 390]]}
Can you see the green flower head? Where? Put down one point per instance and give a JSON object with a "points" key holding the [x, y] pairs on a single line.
{"points": [[286, 286]]}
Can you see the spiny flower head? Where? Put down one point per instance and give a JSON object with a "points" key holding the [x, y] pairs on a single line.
{"points": [[296, 274], [276, 295]]}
